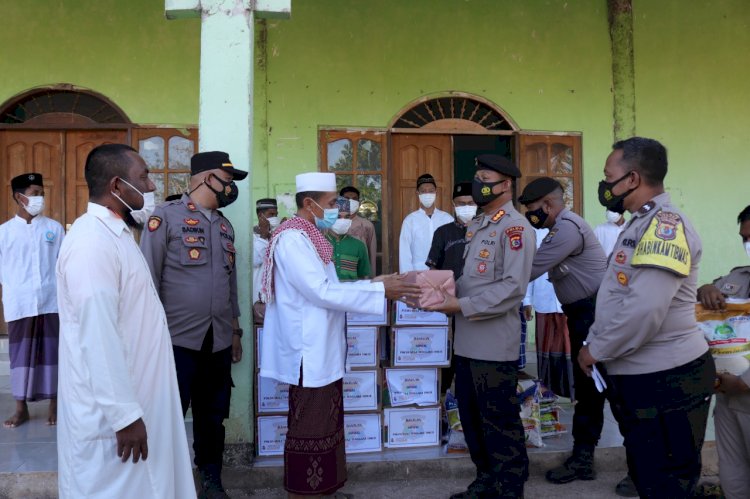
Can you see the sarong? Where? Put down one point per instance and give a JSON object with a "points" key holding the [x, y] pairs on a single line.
{"points": [[314, 452], [33, 357], [553, 353]]}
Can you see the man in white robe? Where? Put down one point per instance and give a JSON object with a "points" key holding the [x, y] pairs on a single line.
{"points": [[118, 392]]}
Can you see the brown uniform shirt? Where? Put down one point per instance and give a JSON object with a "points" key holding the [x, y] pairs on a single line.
{"points": [[645, 309], [499, 252]]}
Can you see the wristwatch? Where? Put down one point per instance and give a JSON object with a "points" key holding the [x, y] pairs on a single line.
{"points": [[238, 332]]}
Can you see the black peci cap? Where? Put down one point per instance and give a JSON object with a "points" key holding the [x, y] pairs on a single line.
{"points": [[426, 179], [214, 160], [21, 182], [462, 189], [497, 163], [537, 189]]}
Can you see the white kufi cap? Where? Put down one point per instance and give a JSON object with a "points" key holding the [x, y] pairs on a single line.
{"points": [[316, 182]]}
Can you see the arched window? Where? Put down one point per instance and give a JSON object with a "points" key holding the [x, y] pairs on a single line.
{"points": [[61, 105]]}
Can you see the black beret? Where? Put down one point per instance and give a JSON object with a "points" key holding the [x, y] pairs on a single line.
{"points": [[25, 180], [537, 189], [426, 179], [349, 188], [214, 160], [462, 189], [497, 163]]}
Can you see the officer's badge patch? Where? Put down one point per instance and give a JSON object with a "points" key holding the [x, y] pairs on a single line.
{"points": [[515, 237], [620, 257], [622, 278], [192, 221], [191, 206], [664, 245], [493, 233], [194, 253], [153, 223], [666, 228], [497, 216], [482, 267], [191, 239], [551, 234], [223, 228], [484, 253]]}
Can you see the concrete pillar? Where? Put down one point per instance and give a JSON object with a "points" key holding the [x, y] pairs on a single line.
{"points": [[620, 14]]}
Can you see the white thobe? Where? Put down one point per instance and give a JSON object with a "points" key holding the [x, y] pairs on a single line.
{"points": [[28, 252], [260, 246], [607, 234], [304, 324], [416, 238], [116, 365], [540, 293]]}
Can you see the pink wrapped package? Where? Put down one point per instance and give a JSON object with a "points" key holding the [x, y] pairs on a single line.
{"points": [[434, 285]]}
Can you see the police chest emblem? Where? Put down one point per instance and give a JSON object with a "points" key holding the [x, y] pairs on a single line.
{"points": [[493, 233], [620, 257], [622, 278], [194, 253], [49, 236], [192, 239], [191, 206], [484, 253], [153, 223], [497, 216], [482, 267], [515, 237], [666, 227], [192, 221]]}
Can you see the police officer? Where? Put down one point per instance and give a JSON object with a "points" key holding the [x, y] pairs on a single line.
{"points": [[660, 374], [576, 263], [189, 246], [499, 253]]}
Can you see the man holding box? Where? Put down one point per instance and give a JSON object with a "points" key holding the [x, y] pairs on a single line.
{"points": [[499, 254]]}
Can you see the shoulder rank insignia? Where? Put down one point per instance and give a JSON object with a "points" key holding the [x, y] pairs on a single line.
{"points": [[192, 221], [664, 245], [153, 223], [515, 234], [191, 206], [497, 216], [194, 253], [647, 207], [469, 235]]}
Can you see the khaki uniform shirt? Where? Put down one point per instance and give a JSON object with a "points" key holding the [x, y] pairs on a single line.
{"points": [[499, 252], [645, 309], [573, 257], [192, 261]]}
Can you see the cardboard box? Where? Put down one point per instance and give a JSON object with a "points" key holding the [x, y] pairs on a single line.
{"points": [[381, 319], [420, 346], [411, 427], [271, 435], [258, 333], [361, 391], [362, 347], [272, 396], [412, 387], [407, 316], [363, 433]]}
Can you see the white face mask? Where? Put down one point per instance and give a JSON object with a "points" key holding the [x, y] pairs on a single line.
{"points": [[35, 205], [273, 222], [466, 213], [149, 203], [613, 217], [427, 199], [341, 226], [353, 206], [747, 248]]}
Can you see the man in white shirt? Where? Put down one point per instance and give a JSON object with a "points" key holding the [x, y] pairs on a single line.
{"points": [[304, 340], [267, 211], [29, 245], [117, 369], [416, 232], [608, 232]]}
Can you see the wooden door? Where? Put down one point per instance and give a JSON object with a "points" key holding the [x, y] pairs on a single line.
{"points": [[415, 155], [78, 145]]}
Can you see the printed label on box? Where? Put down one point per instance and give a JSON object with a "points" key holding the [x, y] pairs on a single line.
{"points": [[412, 386], [271, 435], [414, 316], [362, 433], [421, 346], [361, 391], [258, 344], [362, 346], [381, 319], [412, 427], [273, 395]]}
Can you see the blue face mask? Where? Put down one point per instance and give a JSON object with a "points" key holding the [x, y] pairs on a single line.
{"points": [[330, 215]]}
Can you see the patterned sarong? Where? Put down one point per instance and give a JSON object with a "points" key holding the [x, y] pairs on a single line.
{"points": [[33, 357], [553, 353], [314, 453]]}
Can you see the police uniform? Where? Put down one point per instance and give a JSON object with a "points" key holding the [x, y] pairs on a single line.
{"points": [[190, 251], [499, 253], [660, 372]]}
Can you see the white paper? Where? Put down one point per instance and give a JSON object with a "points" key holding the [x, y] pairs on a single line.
{"points": [[412, 427], [271, 435], [380, 319], [599, 382], [361, 391], [362, 433], [412, 386], [273, 395], [421, 346], [415, 317], [362, 346]]}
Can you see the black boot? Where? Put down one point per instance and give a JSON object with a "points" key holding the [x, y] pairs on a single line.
{"points": [[626, 487], [477, 489], [211, 487], [579, 466]]}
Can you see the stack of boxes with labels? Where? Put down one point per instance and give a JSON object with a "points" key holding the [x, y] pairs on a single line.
{"points": [[271, 408]]}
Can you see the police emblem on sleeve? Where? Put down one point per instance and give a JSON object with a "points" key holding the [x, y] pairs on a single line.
{"points": [[153, 223], [664, 245], [515, 237]]}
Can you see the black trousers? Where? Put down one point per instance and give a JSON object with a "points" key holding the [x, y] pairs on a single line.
{"points": [[588, 415], [205, 381], [663, 418], [489, 410]]}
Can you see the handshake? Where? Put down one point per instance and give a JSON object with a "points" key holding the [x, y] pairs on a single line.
{"points": [[426, 289]]}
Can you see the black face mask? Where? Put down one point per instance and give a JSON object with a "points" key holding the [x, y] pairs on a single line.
{"points": [[227, 195], [611, 201], [481, 192], [536, 218]]}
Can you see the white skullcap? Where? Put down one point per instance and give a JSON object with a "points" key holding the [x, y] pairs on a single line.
{"points": [[316, 182]]}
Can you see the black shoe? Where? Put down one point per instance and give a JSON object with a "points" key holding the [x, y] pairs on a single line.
{"points": [[580, 466], [626, 488], [476, 490], [211, 487]]}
